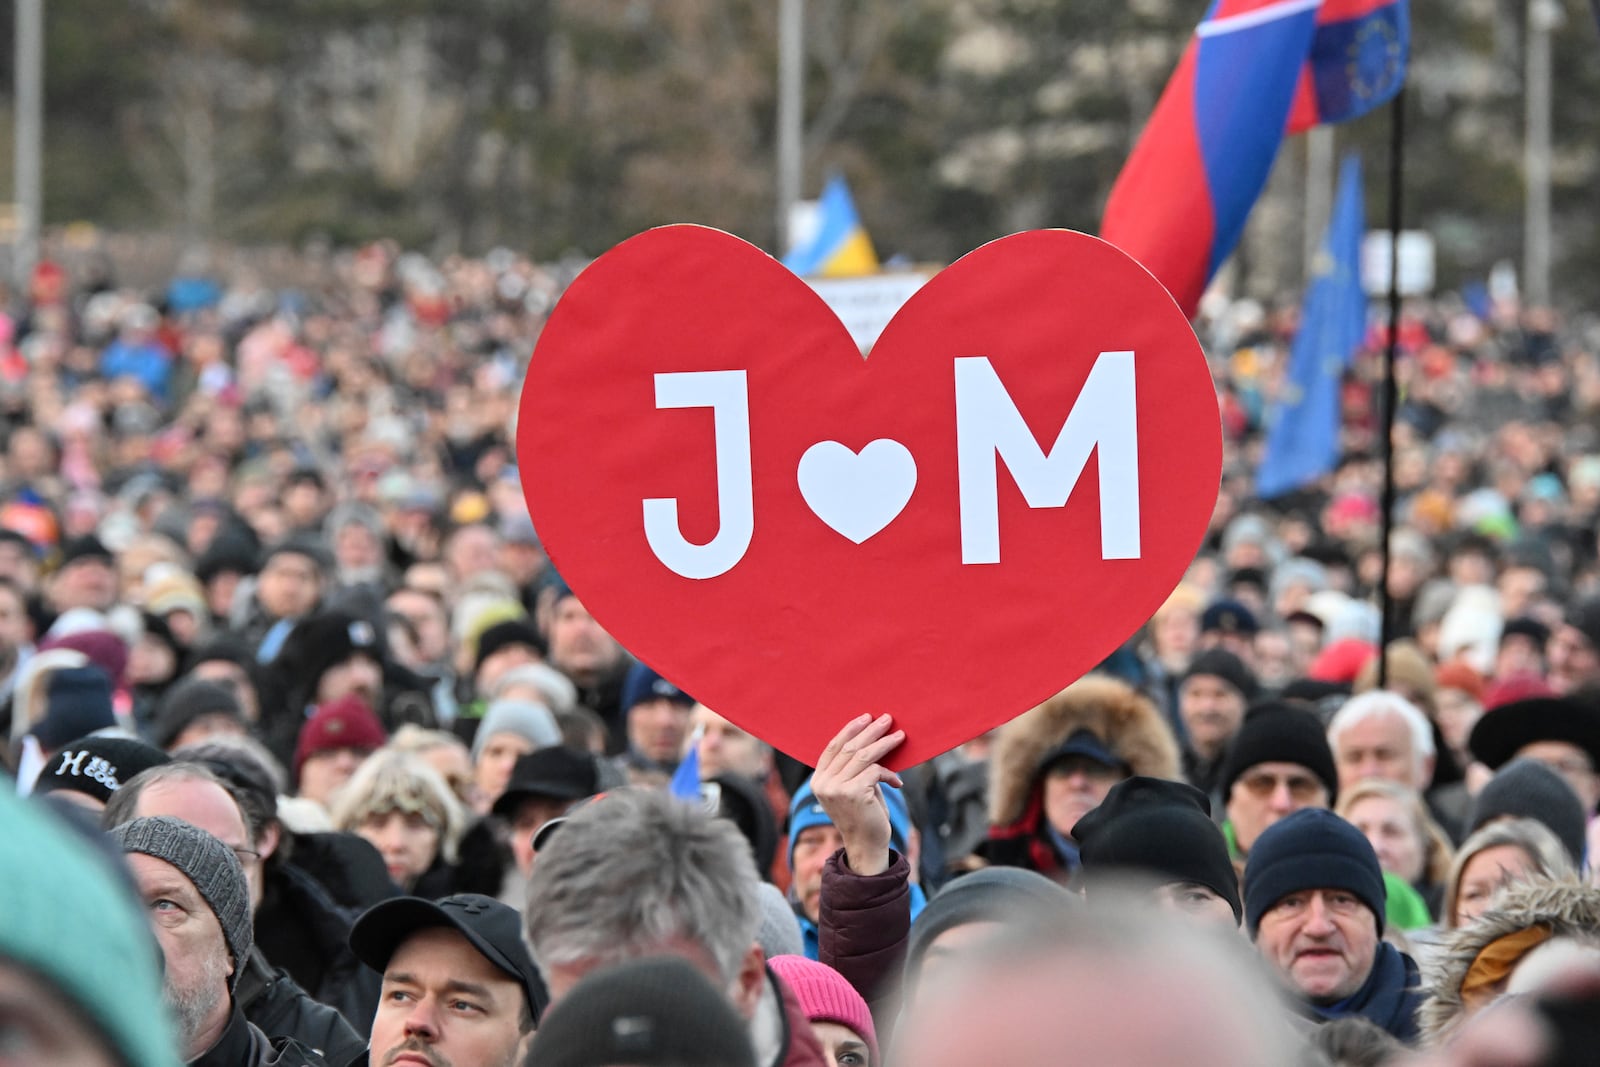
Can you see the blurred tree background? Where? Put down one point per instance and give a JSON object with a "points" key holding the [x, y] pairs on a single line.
{"points": [[564, 126]]}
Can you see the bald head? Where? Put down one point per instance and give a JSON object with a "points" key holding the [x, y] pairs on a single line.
{"points": [[203, 803], [1118, 989], [192, 793]]}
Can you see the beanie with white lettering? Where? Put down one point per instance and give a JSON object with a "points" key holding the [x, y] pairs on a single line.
{"points": [[98, 766]]}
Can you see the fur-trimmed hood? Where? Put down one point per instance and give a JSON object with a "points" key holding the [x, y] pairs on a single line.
{"points": [[1570, 909], [1126, 721]]}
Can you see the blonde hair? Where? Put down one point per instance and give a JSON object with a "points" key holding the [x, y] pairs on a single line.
{"points": [[391, 780], [1185, 597], [1542, 847], [1408, 666], [1437, 853], [419, 739]]}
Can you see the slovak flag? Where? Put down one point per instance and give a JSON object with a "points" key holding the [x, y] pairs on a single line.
{"points": [[1254, 70], [1357, 61]]}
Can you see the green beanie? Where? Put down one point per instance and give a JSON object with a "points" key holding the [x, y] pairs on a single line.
{"points": [[70, 919]]}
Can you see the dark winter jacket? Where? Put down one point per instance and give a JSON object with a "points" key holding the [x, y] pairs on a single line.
{"points": [[347, 866], [604, 698], [276, 1006], [303, 926], [242, 1045], [865, 921], [956, 790], [482, 859]]}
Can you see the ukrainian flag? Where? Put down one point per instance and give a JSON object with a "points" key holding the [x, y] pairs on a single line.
{"points": [[840, 247]]}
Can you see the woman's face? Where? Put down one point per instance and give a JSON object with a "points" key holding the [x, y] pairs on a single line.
{"points": [[1457, 714], [1485, 874], [1175, 632], [499, 755], [406, 840], [1393, 834], [843, 1046]]}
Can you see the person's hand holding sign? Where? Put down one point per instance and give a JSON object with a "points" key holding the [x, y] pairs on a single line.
{"points": [[846, 785]]}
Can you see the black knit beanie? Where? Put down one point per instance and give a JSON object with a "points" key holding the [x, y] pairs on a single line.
{"points": [[97, 766], [1220, 663], [189, 700], [318, 644], [1160, 828], [1311, 849], [648, 1012], [1281, 731], [504, 635], [1527, 789]]}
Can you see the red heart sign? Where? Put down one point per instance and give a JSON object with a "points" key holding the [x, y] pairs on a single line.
{"points": [[950, 531]]}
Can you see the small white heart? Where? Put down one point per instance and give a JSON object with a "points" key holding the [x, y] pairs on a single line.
{"points": [[857, 494]]}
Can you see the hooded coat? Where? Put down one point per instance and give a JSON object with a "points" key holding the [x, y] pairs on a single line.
{"points": [[1568, 909], [1125, 721]]}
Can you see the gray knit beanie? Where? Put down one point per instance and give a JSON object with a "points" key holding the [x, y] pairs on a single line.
{"points": [[521, 717], [779, 933], [209, 864], [1527, 789]]}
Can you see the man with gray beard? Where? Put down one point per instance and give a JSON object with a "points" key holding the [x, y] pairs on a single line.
{"points": [[198, 903]]}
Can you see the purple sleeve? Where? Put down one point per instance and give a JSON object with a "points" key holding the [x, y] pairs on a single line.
{"points": [[863, 926]]}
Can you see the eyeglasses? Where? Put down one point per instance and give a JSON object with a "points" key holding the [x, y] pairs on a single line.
{"points": [[1303, 788], [246, 855]]}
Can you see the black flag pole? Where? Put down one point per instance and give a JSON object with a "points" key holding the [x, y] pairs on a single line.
{"points": [[1391, 392]]}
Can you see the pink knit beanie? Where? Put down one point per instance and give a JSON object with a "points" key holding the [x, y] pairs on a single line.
{"points": [[826, 997]]}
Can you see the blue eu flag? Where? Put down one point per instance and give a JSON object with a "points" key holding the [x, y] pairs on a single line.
{"points": [[1303, 429]]}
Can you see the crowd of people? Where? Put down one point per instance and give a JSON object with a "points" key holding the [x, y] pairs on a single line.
{"points": [[317, 760]]}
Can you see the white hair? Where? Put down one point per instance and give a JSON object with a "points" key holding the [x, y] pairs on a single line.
{"points": [[1383, 702]]}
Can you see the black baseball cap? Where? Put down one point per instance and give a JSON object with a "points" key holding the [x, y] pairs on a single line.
{"points": [[493, 928]]}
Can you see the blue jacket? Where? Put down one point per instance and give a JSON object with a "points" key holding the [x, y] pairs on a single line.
{"points": [[811, 938]]}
